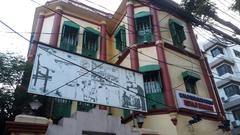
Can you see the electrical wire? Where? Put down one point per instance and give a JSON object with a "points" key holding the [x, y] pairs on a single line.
{"points": [[30, 41]]}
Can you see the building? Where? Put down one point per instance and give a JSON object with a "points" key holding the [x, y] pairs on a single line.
{"points": [[151, 38], [224, 62]]}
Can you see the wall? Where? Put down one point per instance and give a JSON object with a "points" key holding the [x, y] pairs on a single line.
{"points": [[46, 29], [163, 18], [185, 63]]}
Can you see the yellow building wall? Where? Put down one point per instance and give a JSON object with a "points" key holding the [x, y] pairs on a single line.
{"points": [[204, 127], [139, 9], [163, 18], [147, 56], [83, 24], [46, 29], [184, 63]]}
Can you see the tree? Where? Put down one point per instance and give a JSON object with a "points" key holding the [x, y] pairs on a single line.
{"points": [[236, 6], [206, 10], [11, 70]]}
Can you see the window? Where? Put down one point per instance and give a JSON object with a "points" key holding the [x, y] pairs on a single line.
{"points": [[120, 37], [232, 90], [236, 114], [90, 42], [223, 69], [190, 79], [177, 33], [216, 51], [69, 37], [190, 86], [61, 108], [237, 53], [85, 107], [153, 89], [143, 26]]}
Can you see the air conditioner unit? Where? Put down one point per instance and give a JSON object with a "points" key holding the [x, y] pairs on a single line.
{"points": [[236, 123]]}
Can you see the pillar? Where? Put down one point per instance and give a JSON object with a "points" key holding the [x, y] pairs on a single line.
{"points": [[103, 46], [103, 49], [168, 92], [132, 36], [36, 38], [212, 90], [56, 27]]}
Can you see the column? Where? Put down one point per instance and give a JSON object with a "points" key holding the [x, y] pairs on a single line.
{"points": [[56, 26], [103, 50], [132, 36], [103, 47], [37, 35], [212, 90], [168, 93]]}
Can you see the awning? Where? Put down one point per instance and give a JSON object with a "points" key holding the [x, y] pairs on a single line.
{"points": [[71, 24], [148, 68], [191, 76], [142, 14], [89, 29]]}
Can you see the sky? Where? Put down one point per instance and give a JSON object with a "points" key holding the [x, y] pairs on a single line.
{"points": [[18, 14]]}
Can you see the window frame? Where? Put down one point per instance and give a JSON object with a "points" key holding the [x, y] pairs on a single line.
{"points": [[237, 53], [92, 49], [227, 90], [226, 70], [69, 26], [235, 112], [120, 38], [146, 33], [218, 52], [177, 33]]}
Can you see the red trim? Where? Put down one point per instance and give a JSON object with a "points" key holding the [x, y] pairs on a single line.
{"points": [[80, 18], [103, 48], [122, 57], [132, 37], [182, 51], [205, 70], [56, 28], [193, 39], [103, 52], [215, 91], [181, 111], [37, 35], [22, 127], [168, 93]]}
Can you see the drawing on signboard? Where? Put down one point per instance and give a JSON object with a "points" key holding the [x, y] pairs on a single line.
{"points": [[63, 75]]}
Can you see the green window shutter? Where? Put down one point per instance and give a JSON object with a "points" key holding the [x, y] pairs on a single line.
{"points": [[177, 33], [69, 36], [120, 38], [85, 107], [61, 108], [90, 42], [190, 79], [143, 27], [153, 86], [126, 112]]}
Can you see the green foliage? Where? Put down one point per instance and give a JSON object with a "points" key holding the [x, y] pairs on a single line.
{"points": [[200, 8], [236, 6]]}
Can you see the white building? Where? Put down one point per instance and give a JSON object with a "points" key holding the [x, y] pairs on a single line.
{"points": [[224, 61]]}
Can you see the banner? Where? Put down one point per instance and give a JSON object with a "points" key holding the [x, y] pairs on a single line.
{"points": [[57, 73]]}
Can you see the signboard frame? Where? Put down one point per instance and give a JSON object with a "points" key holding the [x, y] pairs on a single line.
{"points": [[129, 91]]}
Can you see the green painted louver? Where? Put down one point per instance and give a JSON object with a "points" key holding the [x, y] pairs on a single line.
{"points": [[190, 76], [148, 68], [89, 29], [61, 108], [155, 101], [177, 33], [71, 24], [120, 37], [142, 14]]}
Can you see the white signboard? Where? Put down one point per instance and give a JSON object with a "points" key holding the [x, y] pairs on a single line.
{"points": [[60, 74], [194, 102]]}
